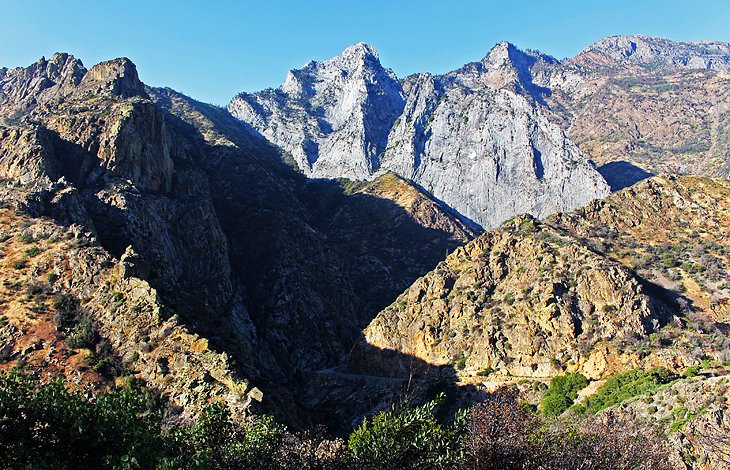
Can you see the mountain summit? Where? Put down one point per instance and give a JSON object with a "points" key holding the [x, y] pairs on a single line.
{"points": [[332, 117]]}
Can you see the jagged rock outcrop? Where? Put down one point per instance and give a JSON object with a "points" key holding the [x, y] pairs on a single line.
{"points": [[482, 149], [21, 89], [26, 156], [333, 117]]}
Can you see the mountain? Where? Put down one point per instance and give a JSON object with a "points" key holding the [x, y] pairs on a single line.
{"points": [[333, 117], [315, 252], [635, 105], [247, 253], [656, 52], [638, 279], [465, 142], [639, 105]]}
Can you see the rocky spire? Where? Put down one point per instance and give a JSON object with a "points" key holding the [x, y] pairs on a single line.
{"points": [[118, 76]]}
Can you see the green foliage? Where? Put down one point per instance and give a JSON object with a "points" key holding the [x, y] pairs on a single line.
{"points": [[621, 387], [33, 252], [691, 372], [485, 372], [217, 442], [48, 426], [562, 392], [20, 264], [67, 310], [70, 316], [83, 334], [407, 437]]}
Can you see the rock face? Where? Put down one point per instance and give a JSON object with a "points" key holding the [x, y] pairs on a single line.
{"points": [[536, 299], [468, 140], [23, 88], [333, 117], [484, 139], [490, 154]]}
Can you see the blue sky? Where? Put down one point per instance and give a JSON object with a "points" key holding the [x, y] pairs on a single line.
{"points": [[213, 50]]}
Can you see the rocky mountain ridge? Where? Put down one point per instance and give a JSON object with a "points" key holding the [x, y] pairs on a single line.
{"points": [[463, 139], [655, 51], [612, 100]]}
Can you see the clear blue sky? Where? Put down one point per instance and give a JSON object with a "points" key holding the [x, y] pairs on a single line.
{"points": [[213, 50]]}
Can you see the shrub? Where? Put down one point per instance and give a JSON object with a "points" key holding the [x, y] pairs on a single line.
{"points": [[33, 252], [67, 310], [499, 432], [460, 362], [20, 264], [485, 372], [621, 387], [407, 437], [48, 426], [691, 372], [562, 392], [217, 442], [83, 334]]}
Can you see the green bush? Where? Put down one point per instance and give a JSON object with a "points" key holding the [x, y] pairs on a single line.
{"points": [[83, 334], [216, 442], [48, 426], [67, 310], [562, 392], [621, 387], [691, 372], [407, 437]]}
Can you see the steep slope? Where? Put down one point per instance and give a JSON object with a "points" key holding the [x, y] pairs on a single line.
{"points": [[391, 232], [536, 299], [71, 311], [485, 151]]}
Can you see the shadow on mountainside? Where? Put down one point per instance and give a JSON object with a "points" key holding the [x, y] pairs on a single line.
{"points": [[375, 380], [621, 174], [305, 265]]}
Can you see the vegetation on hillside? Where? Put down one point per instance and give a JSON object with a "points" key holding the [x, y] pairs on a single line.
{"points": [[50, 426], [621, 387], [562, 392]]}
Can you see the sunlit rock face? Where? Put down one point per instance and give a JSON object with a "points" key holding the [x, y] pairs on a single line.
{"points": [[470, 138]]}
